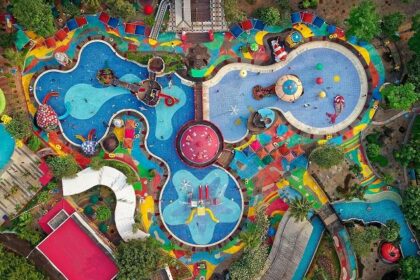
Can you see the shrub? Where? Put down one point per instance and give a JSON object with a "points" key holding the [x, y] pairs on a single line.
{"points": [[361, 239], [390, 231], [363, 21], [410, 268], [411, 205], [15, 267], [63, 166], [103, 213], [372, 150], [249, 265], [327, 156], [269, 15], [34, 143], [400, 97], [34, 15], [391, 23], [97, 163], [19, 127], [88, 210]]}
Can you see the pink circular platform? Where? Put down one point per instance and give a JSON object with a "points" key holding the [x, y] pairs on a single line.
{"points": [[199, 144]]}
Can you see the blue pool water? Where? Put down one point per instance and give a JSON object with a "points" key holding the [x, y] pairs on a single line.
{"points": [[310, 250], [163, 122], [380, 212], [7, 147], [235, 92]]}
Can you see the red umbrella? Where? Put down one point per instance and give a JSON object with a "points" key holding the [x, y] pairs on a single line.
{"points": [[390, 252], [148, 9]]}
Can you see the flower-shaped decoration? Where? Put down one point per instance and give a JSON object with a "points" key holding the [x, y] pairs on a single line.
{"points": [[200, 206]]}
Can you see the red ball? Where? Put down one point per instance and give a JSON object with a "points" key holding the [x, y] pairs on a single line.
{"points": [[319, 80], [148, 9]]}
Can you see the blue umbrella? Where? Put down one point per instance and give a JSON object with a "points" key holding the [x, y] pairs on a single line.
{"points": [[331, 29]]}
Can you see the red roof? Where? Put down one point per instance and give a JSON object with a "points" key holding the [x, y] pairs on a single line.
{"points": [[308, 18], [246, 25], [132, 47], [61, 35], [50, 42], [104, 17], [76, 254], [47, 174], [81, 21], [61, 205], [284, 150], [130, 28], [390, 252]]}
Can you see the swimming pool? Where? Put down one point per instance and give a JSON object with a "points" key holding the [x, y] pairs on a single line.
{"points": [[381, 212], [94, 106], [231, 101], [6, 148]]}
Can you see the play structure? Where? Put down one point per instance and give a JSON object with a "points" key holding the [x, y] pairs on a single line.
{"points": [[46, 117], [279, 51], [89, 144], [199, 207], [338, 107], [288, 88]]}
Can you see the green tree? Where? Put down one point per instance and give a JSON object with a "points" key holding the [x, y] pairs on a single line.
{"points": [[43, 197], [34, 143], [63, 166], [269, 15], [92, 4], [34, 15], [88, 210], [355, 169], [232, 12], [409, 154], [103, 213], [361, 238], [413, 72], [364, 21], [138, 259], [410, 268], [390, 231], [14, 267], [391, 23], [249, 265], [309, 4], [300, 207], [19, 127], [7, 40], [256, 232], [327, 156], [349, 193], [411, 205], [400, 97], [121, 8], [414, 42], [25, 230], [16, 58], [373, 150]]}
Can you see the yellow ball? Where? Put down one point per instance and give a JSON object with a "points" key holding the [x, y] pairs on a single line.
{"points": [[337, 78], [322, 94]]}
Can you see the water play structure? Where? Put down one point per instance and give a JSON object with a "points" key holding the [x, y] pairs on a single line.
{"points": [[287, 88]]}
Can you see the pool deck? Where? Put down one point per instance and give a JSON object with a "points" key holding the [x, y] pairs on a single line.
{"points": [[364, 87]]}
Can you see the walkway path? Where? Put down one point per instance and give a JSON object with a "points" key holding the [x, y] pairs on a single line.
{"points": [[160, 15], [124, 194]]}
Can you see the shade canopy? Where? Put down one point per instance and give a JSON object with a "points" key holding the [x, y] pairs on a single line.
{"points": [[289, 88]]}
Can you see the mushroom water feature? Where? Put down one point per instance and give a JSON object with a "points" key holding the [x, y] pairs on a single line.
{"points": [[46, 117], [88, 145]]}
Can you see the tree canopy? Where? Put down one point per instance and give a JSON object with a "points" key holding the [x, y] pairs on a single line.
{"points": [[103, 213], [269, 15], [299, 208], [411, 205], [34, 15], [400, 97], [138, 259], [327, 156], [364, 21], [410, 268], [232, 11], [413, 72], [390, 231], [121, 8], [409, 154], [414, 41], [14, 267], [391, 23], [63, 166]]}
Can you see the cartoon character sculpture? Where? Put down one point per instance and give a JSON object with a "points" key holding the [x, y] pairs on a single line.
{"points": [[88, 145], [338, 107]]}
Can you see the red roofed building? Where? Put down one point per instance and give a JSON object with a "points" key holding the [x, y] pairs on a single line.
{"points": [[73, 248]]}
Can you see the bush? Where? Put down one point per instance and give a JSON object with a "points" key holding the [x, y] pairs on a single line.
{"points": [[88, 210], [63, 166], [249, 265], [43, 197], [34, 143], [138, 259], [256, 232], [391, 23], [381, 160], [269, 15], [121, 8], [400, 97], [409, 154], [364, 21], [390, 231], [362, 238], [103, 213], [19, 127], [7, 40], [410, 268], [139, 57], [372, 150], [34, 15], [232, 11], [97, 163], [327, 156]]}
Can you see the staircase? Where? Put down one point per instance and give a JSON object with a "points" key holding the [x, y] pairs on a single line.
{"points": [[160, 15]]}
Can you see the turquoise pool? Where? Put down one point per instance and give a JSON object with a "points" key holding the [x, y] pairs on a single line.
{"points": [[6, 148], [380, 212]]}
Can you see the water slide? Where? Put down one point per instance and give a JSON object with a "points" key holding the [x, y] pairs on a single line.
{"points": [[160, 15]]}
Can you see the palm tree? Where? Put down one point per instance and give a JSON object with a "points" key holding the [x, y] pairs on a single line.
{"points": [[299, 208], [15, 58]]}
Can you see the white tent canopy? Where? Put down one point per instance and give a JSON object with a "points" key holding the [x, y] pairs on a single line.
{"points": [[124, 193]]}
